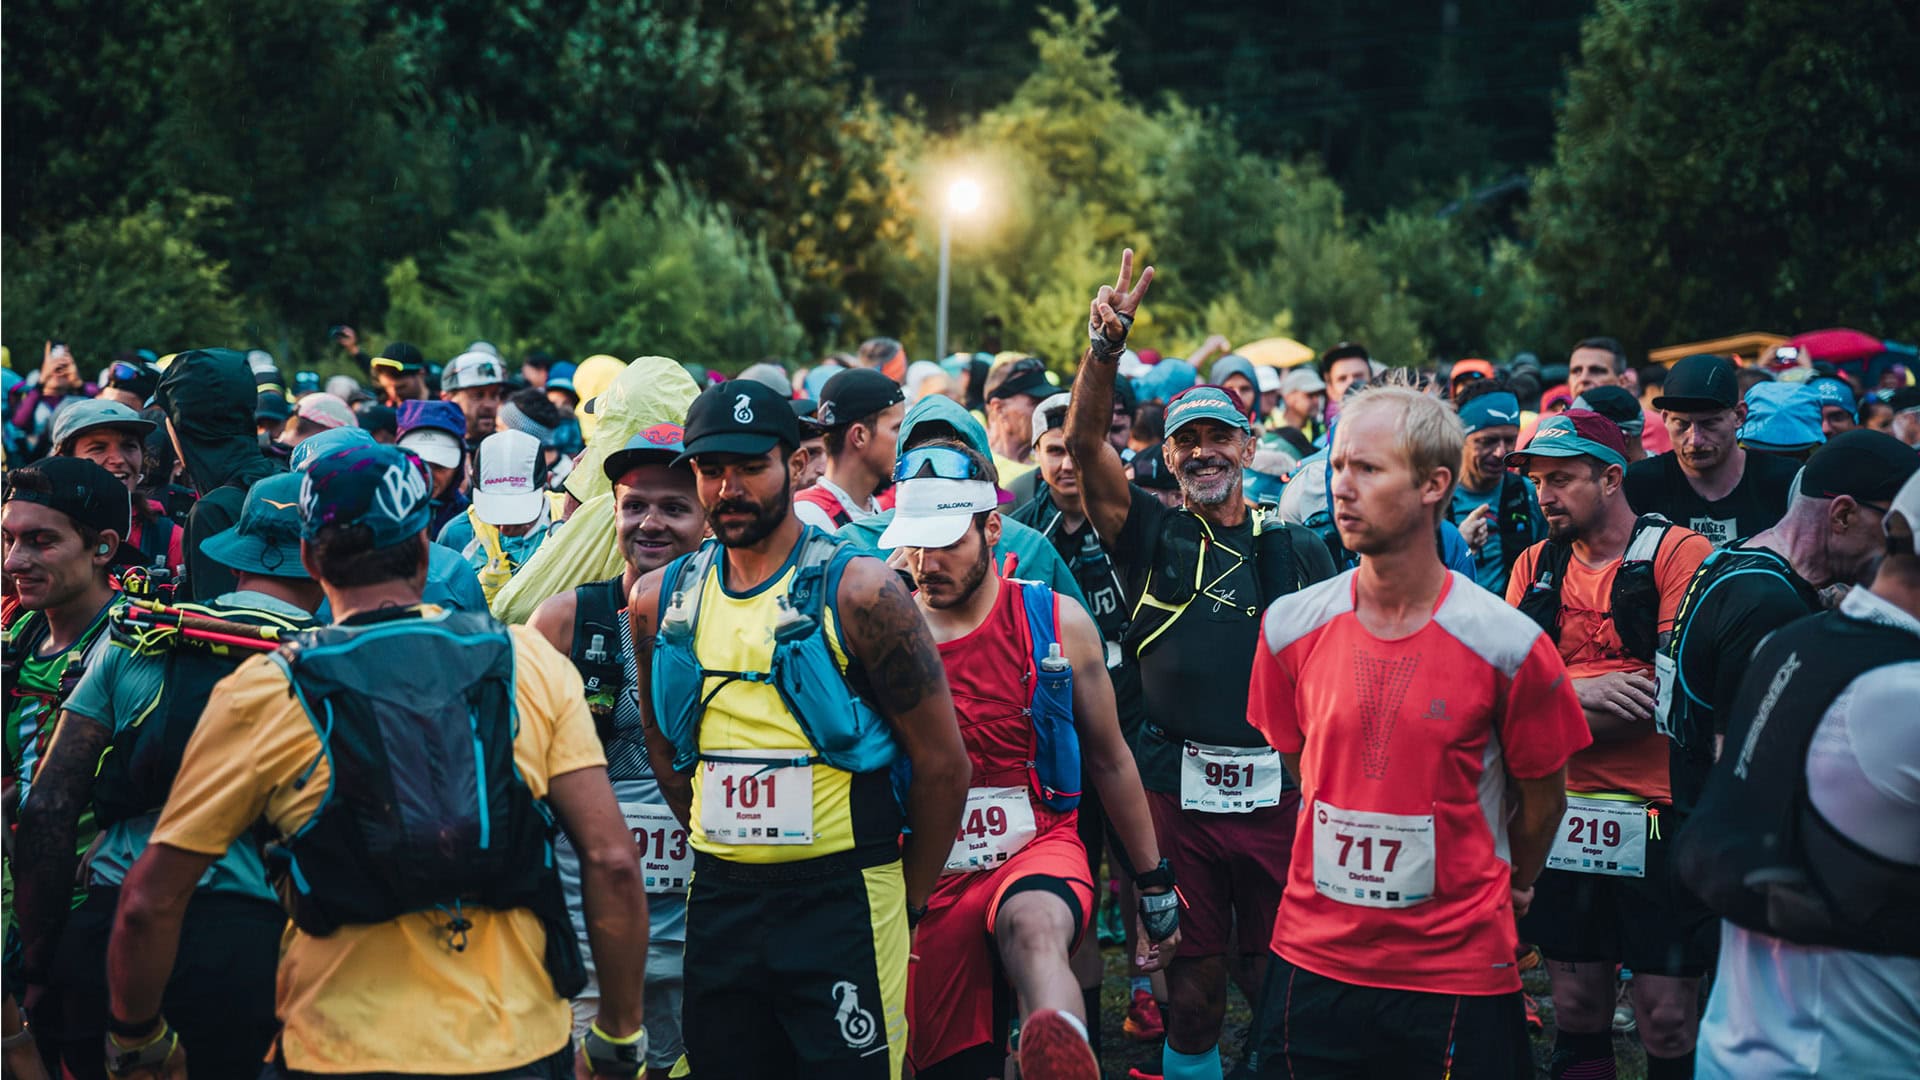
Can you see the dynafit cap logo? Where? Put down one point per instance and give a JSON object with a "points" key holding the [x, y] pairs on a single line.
{"points": [[664, 435]]}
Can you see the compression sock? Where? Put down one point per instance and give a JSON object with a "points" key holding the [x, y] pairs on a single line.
{"points": [[1582, 1057], [1090, 1001], [1680, 1068], [1175, 1065], [1139, 983]]}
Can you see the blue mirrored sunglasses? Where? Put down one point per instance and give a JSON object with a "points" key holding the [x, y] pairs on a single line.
{"points": [[943, 462]]}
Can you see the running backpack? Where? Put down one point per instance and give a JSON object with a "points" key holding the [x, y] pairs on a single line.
{"points": [[1054, 768], [1177, 563], [424, 809], [597, 608], [1756, 850], [843, 729], [1635, 597], [136, 772]]}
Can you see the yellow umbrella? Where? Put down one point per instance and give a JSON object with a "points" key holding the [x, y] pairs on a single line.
{"points": [[1276, 352]]}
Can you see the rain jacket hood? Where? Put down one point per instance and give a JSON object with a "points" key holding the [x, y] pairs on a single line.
{"points": [[209, 396]]}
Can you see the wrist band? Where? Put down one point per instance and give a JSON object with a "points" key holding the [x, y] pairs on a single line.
{"points": [[608, 1056], [134, 1028]]}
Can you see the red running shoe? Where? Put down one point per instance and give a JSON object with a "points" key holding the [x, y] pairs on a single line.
{"points": [[1533, 1012], [1136, 1073], [1052, 1049], [1144, 1023]]}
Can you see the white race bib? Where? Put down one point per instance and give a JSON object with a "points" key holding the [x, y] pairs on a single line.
{"points": [[1372, 860], [1665, 675], [1601, 836], [744, 802], [1228, 779], [998, 821], [666, 862]]}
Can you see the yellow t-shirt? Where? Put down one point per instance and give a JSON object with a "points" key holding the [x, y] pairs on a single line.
{"points": [[391, 997], [735, 633]]}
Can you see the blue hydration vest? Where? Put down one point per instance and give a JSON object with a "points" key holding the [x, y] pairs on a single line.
{"points": [[844, 731]]}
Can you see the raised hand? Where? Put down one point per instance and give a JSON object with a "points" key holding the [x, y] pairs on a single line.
{"points": [[1113, 309]]}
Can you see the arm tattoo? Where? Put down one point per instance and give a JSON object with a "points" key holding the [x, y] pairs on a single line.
{"points": [[44, 852], [892, 642]]}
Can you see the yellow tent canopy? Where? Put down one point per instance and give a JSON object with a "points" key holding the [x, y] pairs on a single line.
{"points": [[1276, 352]]}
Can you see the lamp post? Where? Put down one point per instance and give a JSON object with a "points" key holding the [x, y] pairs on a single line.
{"points": [[963, 197]]}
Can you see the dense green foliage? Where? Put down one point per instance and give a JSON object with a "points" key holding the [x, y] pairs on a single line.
{"points": [[727, 181]]}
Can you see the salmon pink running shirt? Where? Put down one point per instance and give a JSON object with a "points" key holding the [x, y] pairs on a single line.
{"points": [[1400, 876]]}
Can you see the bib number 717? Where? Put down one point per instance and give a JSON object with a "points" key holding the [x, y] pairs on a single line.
{"points": [[1371, 859]]}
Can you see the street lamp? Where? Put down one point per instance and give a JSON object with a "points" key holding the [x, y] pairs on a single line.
{"points": [[963, 198]]}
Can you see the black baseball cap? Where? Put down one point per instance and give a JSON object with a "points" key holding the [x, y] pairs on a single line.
{"points": [[1700, 383], [1027, 375], [399, 357], [1150, 470], [78, 488], [855, 393], [1871, 466], [1617, 404], [739, 416]]}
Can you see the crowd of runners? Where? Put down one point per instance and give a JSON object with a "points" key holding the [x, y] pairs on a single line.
{"points": [[543, 720]]}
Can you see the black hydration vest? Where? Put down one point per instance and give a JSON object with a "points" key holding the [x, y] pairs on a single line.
{"points": [[1634, 599], [1689, 720], [1513, 519], [425, 809], [1756, 850], [598, 608], [136, 772], [1173, 578]]}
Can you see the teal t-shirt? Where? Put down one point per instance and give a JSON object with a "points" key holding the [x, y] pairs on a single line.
{"points": [[119, 690], [1034, 557], [1489, 563]]}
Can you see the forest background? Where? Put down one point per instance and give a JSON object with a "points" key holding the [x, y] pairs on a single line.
{"points": [[722, 181]]}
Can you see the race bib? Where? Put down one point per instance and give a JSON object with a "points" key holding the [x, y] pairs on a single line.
{"points": [[998, 821], [1601, 836], [666, 863], [1665, 675], [1229, 779], [1372, 860], [745, 802]]}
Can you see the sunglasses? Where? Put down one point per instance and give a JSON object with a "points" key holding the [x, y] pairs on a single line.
{"points": [[940, 462], [123, 372]]}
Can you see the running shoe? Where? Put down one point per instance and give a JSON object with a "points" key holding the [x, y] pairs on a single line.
{"points": [[1052, 1049], [1623, 1018], [1529, 957], [1534, 1023], [1144, 1023], [1137, 1073]]}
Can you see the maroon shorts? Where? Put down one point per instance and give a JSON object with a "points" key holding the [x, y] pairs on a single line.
{"points": [[1231, 868]]}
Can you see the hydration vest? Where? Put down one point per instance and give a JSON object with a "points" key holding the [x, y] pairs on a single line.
{"points": [[1177, 564], [425, 809], [1634, 600], [819, 496], [1513, 519], [843, 729], [1689, 721], [598, 608], [1054, 767], [136, 771], [1757, 851]]}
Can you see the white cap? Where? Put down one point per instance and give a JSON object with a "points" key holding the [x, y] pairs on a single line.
{"points": [[1904, 510], [484, 347], [932, 512], [1040, 422], [508, 491], [326, 410], [1268, 378], [435, 447], [471, 369], [1303, 380], [1131, 366]]}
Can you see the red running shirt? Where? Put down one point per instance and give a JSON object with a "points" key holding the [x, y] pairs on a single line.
{"points": [[1428, 725]]}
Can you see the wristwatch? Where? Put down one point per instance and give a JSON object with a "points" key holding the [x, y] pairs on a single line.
{"points": [[123, 1058], [1160, 877], [608, 1056]]}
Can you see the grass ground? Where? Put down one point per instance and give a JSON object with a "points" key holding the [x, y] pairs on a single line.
{"points": [[1122, 1054]]}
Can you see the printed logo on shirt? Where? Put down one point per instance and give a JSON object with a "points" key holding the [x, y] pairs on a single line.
{"points": [[1436, 709], [1718, 531]]}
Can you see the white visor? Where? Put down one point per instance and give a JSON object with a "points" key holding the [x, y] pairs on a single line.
{"points": [[935, 513]]}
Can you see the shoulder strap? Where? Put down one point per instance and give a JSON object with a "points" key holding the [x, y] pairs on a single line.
{"points": [[1043, 619], [597, 603], [1541, 601], [1274, 563], [1649, 532]]}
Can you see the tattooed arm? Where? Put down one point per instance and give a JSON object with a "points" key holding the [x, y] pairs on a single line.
{"points": [[890, 640], [44, 846], [643, 603]]}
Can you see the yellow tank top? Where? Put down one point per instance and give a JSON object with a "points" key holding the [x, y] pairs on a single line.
{"points": [[735, 633]]}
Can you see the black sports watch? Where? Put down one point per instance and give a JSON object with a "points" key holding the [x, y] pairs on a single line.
{"points": [[1160, 877]]}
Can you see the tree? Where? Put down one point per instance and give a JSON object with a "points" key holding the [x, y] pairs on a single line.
{"points": [[1724, 166], [111, 283], [645, 272]]}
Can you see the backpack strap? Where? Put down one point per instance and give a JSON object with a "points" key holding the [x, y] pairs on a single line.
{"points": [[1516, 518], [1274, 563], [1635, 595], [1541, 601]]}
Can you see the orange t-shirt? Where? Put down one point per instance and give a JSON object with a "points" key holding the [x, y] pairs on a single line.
{"points": [[1590, 647]]}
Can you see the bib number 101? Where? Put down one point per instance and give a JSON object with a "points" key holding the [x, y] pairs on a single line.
{"points": [[750, 792]]}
